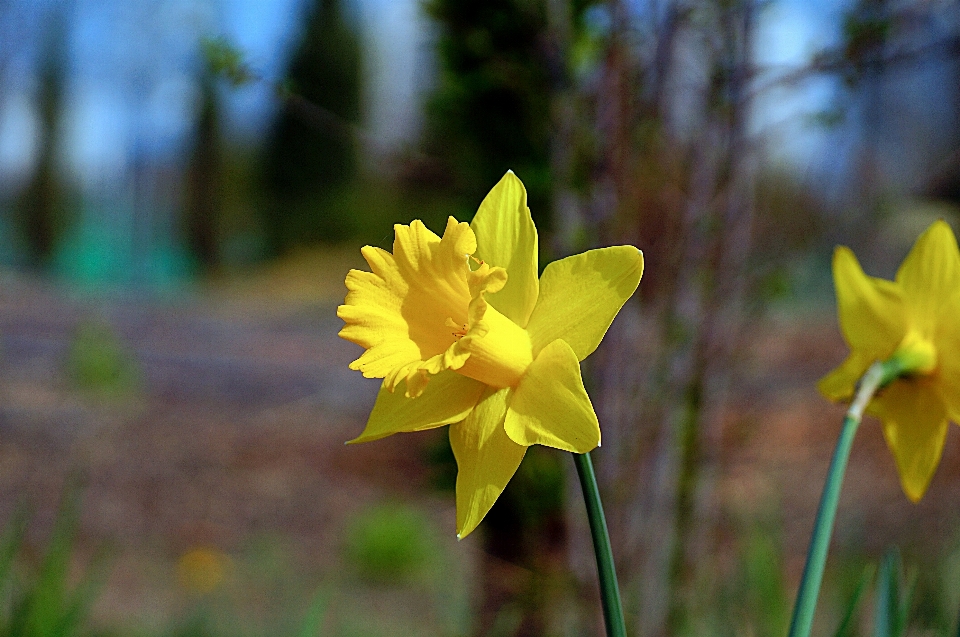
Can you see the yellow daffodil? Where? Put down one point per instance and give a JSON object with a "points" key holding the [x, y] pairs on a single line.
{"points": [[462, 332], [916, 320]]}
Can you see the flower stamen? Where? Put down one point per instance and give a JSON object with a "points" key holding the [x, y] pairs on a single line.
{"points": [[461, 330]]}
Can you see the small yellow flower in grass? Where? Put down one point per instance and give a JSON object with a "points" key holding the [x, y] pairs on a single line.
{"points": [[463, 333], [916, 319], [201, 570]]}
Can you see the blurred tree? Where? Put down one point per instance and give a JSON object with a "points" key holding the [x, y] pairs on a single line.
{"points": [[686, 180], [491, 109], [307, 161], [202, 210], [40, 206]]}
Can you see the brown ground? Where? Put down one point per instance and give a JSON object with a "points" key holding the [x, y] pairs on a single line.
{"points": [[236, 442]]}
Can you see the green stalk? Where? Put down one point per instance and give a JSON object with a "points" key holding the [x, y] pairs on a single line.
{"points": [[609, 588], [877, 376]]}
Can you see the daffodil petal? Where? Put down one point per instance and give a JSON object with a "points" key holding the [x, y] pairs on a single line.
{"points": [[840, 384], [872, 313], [915, 427], [506, 237], [550, 405], [948, 346], [486, 459], [581, 295], [447, 398], [930, 277]]}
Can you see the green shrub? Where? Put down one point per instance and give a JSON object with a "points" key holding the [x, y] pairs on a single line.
{"points": [[389, 543]]}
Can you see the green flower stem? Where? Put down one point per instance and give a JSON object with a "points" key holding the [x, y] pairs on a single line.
{"points": [[877, 376], [609, 588]]}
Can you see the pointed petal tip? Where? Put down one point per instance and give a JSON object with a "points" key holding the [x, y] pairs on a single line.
{"points": [[511, 176], [462, 534], [943, 229], [914, 492], [363, 437], [841, 250]]}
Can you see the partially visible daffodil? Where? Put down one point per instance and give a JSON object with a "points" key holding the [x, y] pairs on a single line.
{"points": [[914, 320], [463, 333]]}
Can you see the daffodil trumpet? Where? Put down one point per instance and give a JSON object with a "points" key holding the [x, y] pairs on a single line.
{"points": [[464, 333], [903, 367]]}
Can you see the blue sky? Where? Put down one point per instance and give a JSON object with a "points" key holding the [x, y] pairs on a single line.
{"points": [[121, 98], [132, 71]]}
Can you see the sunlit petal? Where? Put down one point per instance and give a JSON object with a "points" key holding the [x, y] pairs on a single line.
{"points": [[486, 459], [447, 398], [581, 295], [550, 406], [506, 237]]}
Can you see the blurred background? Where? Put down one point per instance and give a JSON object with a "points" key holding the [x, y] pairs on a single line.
{"points": [[185, 183]]}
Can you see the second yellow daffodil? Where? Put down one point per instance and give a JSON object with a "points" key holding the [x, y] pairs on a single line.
{"points": [[914, 319], [463, 332]]}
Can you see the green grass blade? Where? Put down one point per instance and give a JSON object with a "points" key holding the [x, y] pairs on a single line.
{"points": [[892, 605], [81, 600], [10, 545], [47, 600], [846, 625], [316, 613]]}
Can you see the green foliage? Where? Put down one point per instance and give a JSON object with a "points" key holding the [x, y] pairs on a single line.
{"points": [[764, 591], [540, 484], [390, 543], [366, 210], [847, 626], [98, 362], [39, 600], [316, 613], [225, 60], [865, 30], [893, 598]]}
